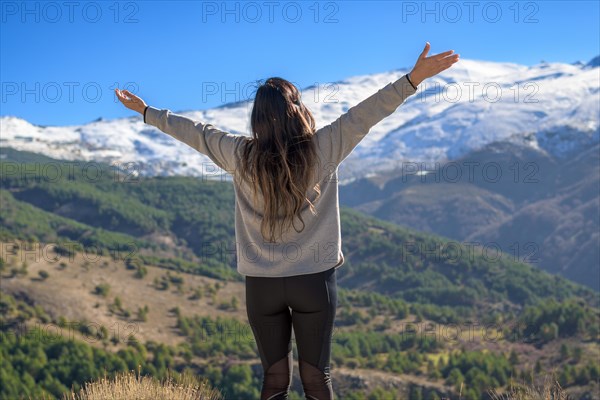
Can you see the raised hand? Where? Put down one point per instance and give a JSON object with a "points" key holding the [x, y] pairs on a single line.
{"points": [[131, 101], [426, 67]]}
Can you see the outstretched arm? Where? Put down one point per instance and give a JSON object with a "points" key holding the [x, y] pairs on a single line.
{"points": [[218, 145], [338, 139]]}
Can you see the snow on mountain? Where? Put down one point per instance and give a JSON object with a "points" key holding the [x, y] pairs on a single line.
{"points": [[550, 106]]}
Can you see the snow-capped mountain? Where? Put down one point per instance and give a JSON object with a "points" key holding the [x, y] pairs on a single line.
{"points": [[549, 106]]}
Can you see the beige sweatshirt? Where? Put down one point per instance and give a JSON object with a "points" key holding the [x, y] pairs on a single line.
{"points": [[319, 246]]}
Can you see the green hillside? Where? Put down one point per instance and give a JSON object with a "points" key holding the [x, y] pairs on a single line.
{"points": [[392, 275]]}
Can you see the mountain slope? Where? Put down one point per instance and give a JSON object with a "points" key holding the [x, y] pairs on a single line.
{"points": [[550, 106], [395, 280], [192, 214], [544, 210]]}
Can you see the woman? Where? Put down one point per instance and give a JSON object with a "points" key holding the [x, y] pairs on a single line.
{"points": [[285, 177]]}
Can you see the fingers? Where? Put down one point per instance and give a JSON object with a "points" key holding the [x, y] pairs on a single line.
{"points": [[119, 95], [449, 61], [442, 55], [125, 95], [130, 95], [425, 50]]}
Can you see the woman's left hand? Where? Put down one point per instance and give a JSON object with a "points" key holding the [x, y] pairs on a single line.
{"points": [[131, 101]]}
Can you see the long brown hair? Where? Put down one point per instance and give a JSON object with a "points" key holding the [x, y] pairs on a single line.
{"points": [[280, 158]]}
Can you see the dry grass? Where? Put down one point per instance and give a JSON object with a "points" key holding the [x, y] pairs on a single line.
{"points": [[129, 385], [549, 390], [69, 292]]}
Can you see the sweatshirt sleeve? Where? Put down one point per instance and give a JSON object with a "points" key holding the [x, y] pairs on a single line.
{"points": [[221, 147], [338, 139]]}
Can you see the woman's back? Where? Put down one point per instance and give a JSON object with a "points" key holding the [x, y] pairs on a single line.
{"points": [[318, 246]]}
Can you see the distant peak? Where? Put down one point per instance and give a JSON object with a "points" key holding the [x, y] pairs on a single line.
{"points": [[594, 62]]}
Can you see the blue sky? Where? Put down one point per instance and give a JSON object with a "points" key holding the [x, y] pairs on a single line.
{"points": [[59, 64]]}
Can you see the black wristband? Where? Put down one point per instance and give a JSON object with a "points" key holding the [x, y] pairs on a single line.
{"points": [[145, 113], [409, 81]]}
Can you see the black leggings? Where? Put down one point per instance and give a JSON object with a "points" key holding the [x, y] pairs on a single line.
{"points": [[312, 299]]}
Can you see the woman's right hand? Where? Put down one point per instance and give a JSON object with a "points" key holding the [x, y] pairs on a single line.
{"points": [[426, 67]]}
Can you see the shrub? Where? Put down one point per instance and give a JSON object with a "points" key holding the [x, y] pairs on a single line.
{"points": [[102, 289]]}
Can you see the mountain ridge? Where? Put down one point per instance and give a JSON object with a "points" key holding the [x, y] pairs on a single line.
{"points": [[547, 105]]}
